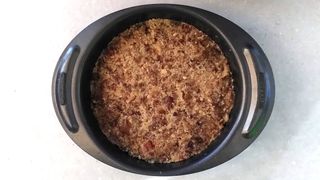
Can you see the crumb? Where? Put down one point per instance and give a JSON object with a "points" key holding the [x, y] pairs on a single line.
{"points": [[162, 90]]}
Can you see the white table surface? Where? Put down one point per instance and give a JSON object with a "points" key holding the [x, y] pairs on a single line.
{"points": [[33, 34]]}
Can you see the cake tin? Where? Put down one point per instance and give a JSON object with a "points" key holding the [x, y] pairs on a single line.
{"points": [[251, 71]]}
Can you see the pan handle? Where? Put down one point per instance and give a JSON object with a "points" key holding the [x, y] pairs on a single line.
{"points": [[61, 88], [254, 95], [256, 119]]}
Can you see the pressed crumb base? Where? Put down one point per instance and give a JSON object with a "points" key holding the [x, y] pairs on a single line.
{"points": [[162, 90]]}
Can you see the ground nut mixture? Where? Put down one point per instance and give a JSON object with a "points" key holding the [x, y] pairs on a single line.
{"points": [[162, 90]]}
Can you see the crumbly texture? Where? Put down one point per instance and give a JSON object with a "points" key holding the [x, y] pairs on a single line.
{"points": [[162, 90]]}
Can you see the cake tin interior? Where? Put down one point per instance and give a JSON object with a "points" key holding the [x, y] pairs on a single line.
{"points": [[124, 22]]}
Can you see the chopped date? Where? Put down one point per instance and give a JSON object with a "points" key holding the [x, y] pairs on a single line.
{"points": [[156, 102], [112, 122], [194, 142], [201, 121], [138, 113], [157, 122], [180, 112], [124, 127], [169, 101], [186, 96], [108, 85], [162, 111], [148, 146]]}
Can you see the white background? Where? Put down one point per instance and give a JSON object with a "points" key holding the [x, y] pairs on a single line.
{"points": [[34, 33]]}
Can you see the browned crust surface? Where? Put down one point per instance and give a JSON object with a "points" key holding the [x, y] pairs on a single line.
{"points": [[162, 90]]}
